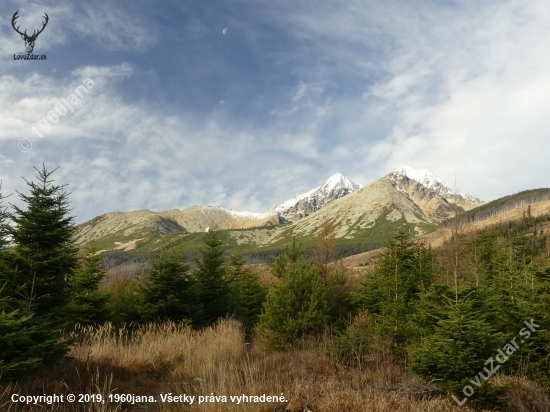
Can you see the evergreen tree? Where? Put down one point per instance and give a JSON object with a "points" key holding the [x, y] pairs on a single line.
{"points": [[87, 305], [170, 291], [340, 300], [247, 294], [213, 290], [508, 295], [6, 266], [45, 258], [456, 352], [391, 294], [295, 307], [124, 302], [292, 256], [15, 334], [535, 353], [15, 338]]}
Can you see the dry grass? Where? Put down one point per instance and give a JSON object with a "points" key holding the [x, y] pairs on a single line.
{"points": [[175, 359], [525, 395]]}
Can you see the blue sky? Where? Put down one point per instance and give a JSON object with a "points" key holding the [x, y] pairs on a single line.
{"points": [[182, 114]]}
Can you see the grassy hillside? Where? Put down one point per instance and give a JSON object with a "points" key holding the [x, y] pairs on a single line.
{"points": [[499, 206], [261, 244]]}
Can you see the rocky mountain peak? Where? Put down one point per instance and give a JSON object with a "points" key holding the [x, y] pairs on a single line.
{"points": [[339, 181], [422, 176], [422, 185], [303, 205]]}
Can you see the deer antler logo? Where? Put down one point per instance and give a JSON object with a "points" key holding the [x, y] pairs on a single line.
{"points": [[29, 40]]}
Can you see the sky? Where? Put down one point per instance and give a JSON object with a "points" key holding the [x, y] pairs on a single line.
{"points": [[182, 112]]}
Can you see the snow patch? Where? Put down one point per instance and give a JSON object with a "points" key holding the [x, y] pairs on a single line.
{"points": [[422, 176], [336, 182], [428, 180], [238, 214]]}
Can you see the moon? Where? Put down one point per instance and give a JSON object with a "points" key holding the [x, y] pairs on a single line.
{"points": [[224, 31]]}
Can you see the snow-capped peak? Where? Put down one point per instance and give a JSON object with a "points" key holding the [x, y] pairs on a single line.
{"points": [[428, 180], [304, 204], [339, 180], [422, 176]]}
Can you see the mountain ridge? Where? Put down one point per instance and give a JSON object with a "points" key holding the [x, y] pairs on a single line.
{"points": [[200, 217], [415, 200]]}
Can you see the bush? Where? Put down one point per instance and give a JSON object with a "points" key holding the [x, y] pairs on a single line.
{"points": [[351, 345]]}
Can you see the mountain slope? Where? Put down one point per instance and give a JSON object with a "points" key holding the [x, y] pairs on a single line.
{"points": [[540, 207], [199, 218], [502, 205], [405, 199], [415, 197], [126, 226], [364, 218]]}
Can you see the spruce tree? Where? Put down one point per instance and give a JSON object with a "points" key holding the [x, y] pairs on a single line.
{"points": [[247, 294], [170, 291], [87, 305], [392, 292], [15, 333], [341, 305], [6, 264], [536, 351], [295, 307], [456, 353], [213, 290], [45, 258], [292, 256]]}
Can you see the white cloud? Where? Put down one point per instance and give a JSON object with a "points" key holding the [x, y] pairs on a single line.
{"points": [[116, 155]]}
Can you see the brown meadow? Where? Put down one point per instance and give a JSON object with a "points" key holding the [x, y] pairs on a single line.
{"points": [[175, 359]]}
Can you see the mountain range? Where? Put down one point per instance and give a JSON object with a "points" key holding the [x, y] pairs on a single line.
{"points": [[407, 199]]}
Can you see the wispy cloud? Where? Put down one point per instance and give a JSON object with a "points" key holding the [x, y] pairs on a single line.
{"points": [[107, 24]]}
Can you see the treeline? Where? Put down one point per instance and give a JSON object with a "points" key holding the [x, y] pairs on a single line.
{"points": [[526, 235], [342, 250], [113, 258], [499, 206]]}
